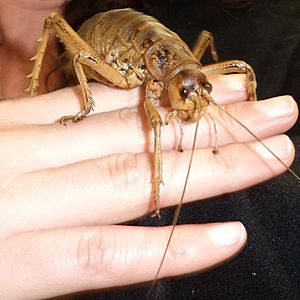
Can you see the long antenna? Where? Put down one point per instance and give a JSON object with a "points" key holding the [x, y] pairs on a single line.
{"points": [[177, 211], [255, 136]]}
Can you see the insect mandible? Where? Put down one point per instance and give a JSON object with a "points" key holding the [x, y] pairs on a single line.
{"points": [[126, 48]]}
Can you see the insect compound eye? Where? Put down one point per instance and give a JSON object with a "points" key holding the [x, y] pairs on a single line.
{"points": [[184, 93], [208, 87]]}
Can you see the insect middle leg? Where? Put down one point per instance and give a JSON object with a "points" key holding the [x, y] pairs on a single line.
{"points": [[94, 63]]}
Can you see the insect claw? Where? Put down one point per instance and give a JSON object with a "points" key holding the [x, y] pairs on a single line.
{"points": [[156, 214], [32, 58], [38, 40], [29, 76], [62, 120], [27, 90]]}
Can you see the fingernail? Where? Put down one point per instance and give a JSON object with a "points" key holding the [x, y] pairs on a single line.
{"points": [[281, 146], [278, 107], [227, 234]]}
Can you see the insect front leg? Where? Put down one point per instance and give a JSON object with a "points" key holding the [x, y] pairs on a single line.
{"points": [[205, 40], [153, 91], [234, 66]]}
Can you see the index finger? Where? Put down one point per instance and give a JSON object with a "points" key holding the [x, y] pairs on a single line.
{"points": [[49, 108]]}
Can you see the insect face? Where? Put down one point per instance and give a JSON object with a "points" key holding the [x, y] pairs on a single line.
{"points": [[188, 90]]}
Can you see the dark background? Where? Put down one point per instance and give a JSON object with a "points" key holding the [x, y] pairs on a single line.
{"points": [[266, 34]]}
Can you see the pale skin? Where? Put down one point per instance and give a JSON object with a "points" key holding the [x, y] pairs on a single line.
{"points": [[64, 189]]}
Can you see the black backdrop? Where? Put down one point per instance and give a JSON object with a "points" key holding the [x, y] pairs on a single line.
{"points": [[266, 34]]}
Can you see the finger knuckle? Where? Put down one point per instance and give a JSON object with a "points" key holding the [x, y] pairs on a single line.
{"points": [[125, 173], [127, 115], [133, 121], [93, 255], [179, 253]]}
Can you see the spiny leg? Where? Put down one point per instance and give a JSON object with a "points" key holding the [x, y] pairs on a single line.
{"points": [[83, 54], [97, 65], [88, 101], [204, 40], [231, 67], [153, 91], [38, 58], [67, 36]]}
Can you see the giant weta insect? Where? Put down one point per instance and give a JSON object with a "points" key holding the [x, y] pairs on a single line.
{"points": [[126, 48]]}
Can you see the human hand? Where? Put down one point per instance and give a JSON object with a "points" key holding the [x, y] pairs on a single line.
{"points": [[64, 187]]}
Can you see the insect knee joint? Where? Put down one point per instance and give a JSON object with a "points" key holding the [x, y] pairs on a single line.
{"points": [[48, 23]]}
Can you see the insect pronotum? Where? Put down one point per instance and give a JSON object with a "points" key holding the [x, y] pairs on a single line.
{"points": [[126, 48]]}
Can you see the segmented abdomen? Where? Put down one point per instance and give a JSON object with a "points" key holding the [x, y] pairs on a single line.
{"points": [[122, 29], [122, 36]]}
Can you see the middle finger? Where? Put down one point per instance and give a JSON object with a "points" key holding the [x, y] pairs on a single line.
{"points": [[127, 130]]}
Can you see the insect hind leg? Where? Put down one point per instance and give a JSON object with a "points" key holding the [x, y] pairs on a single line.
{"points": [[38, 58], [231, 67], [83, 55]]}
